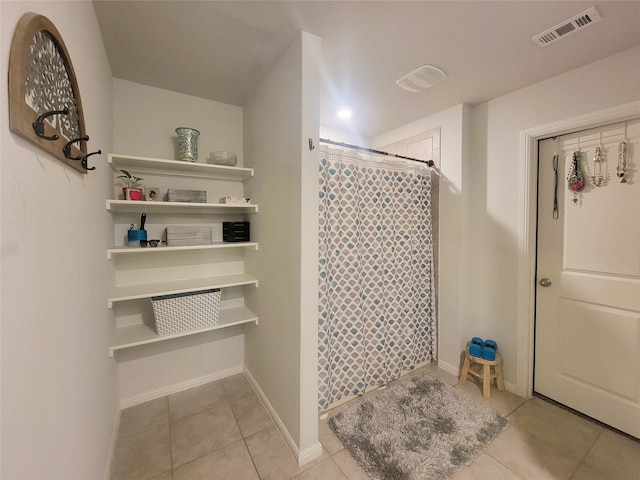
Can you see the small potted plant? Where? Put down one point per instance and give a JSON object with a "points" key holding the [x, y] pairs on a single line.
{"points": [[131, 189]]}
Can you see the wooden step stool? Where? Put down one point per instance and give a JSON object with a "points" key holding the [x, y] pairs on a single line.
{"points": [[481, 368]]}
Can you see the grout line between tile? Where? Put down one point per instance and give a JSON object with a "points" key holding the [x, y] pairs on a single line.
{"points": [[253, 462], [170, 438], [594, 467], [244, 439]]}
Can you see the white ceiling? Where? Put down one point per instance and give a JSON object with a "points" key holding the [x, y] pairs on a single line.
{"points": [[220, 50]]}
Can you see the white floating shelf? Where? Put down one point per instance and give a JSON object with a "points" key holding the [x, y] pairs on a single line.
{"points": [[134, 206], [136, 292], [177, 167], [140, 334], [166, 249]]}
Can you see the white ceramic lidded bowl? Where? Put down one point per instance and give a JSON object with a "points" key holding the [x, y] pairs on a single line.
{"points": [[224, 158]]}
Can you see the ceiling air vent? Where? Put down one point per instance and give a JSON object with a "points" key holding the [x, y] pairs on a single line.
{"points": [[567, 27], [421, 78]]}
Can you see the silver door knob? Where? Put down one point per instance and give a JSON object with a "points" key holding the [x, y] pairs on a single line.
{"points": [[545, 282]]}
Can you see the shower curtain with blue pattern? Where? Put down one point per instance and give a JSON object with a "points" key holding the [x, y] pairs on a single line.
{"points": [[377, 315]]}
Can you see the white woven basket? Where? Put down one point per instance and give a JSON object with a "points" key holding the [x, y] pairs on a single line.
{"points": [[186, 311]]}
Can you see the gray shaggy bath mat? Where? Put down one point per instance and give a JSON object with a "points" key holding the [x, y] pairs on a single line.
{"points": [[420, 429]]}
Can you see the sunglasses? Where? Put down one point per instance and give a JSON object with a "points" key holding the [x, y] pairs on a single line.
{"points": [[152, 243]]}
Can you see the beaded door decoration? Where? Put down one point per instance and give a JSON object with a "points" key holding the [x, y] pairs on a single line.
{"points": [[598, 177], [575, 179], [621, 170], [555, 185]]}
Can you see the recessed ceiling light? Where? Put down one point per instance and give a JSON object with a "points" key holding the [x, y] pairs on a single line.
{"points": [[344, 113], [421, 78]]}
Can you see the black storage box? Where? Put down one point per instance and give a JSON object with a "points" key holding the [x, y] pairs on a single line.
{"points": [[235, 232]]}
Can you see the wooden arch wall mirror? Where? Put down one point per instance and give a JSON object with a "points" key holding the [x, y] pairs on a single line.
{"points": [[44, 99]]}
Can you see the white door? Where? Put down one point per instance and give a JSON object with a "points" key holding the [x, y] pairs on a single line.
{"points": [[587, 352]]}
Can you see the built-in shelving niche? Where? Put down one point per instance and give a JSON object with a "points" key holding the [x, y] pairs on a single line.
{"points": [[214, 266]]}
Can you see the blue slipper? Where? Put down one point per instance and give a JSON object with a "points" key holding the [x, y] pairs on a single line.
{"points": [[489, 349], [475, 347]]}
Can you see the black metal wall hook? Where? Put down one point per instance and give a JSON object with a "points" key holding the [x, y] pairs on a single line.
{"points": [[67, 148], [38, 125], [84, 160]]}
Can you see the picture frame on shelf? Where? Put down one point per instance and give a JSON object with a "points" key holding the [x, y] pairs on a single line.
{"points": [[153, 194]]}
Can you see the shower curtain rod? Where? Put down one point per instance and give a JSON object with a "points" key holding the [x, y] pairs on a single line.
{"points": [[371, 150]]}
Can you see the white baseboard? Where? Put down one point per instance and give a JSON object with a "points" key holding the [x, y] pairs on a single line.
{"points": [[301, 456], [447, 367], [130, 402], [510, 387], [112, 443], [309, 454]]}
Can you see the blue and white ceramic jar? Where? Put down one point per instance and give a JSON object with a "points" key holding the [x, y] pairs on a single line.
{"points": [[187, 143]]}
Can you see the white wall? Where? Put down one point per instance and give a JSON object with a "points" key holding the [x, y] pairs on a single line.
{"points": [[281, 353], [492, 178], [346, 136], [59, 399], [145, 119], [309, 238]]}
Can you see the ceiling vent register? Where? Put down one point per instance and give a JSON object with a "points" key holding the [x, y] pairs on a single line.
{"points": [[568, 27]]}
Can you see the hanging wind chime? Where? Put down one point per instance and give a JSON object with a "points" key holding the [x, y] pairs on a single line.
{"points": [[575, 179], [622, 162]]}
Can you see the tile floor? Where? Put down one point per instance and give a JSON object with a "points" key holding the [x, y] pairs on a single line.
{"points": [[222, 431]]}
